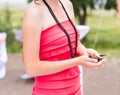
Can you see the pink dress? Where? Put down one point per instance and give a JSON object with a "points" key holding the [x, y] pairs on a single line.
{"points": [[54, 47]]}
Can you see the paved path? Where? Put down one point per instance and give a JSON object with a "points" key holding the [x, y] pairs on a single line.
{"points": [[103, 82], [100, 82]]}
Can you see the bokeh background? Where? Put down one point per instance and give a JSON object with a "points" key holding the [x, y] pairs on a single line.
{"points": [[102, 16]]}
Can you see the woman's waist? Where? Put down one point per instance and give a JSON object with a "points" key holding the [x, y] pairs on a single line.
{"points": [[56, 84], [63, 75]]}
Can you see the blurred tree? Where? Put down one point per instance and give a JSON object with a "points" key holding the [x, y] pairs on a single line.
{"points": [[111, 4], [5, 20], [6, 25], [80, 7], [29, 1]]}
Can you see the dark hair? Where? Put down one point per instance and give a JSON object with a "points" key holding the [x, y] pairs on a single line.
{"points": [[36, 2]]}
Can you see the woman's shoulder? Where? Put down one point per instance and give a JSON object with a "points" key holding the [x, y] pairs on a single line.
{"points": [[33, 16], [33, 13], [33, 9]]}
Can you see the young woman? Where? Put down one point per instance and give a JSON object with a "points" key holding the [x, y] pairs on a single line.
{"points": [[52, 51]]}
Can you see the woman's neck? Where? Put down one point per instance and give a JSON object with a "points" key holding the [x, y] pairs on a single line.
{"points": [[53, 2]]}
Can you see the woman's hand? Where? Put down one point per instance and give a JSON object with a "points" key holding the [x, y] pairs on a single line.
{"points": [[92, 52], [89, 58], [81, 50], [90, 63]]}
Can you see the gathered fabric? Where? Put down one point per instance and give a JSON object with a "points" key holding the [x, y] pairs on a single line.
{"points": [[54, 47]]}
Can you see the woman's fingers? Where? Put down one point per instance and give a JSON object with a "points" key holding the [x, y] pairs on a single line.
{"points": [[97, 65], [91, 63]]}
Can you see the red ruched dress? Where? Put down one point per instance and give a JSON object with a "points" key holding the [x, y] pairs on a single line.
{"points": [[54, 47]]}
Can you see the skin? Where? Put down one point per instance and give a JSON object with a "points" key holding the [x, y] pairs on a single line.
{"points": [[38, 18]]}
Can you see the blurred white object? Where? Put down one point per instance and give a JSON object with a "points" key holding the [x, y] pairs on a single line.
{"points": [[83, 29], [18, 34], [2, 72], [25, 76], [3, 54]]}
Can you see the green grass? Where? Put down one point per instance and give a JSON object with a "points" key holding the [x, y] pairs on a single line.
{"points": [[108, 32], [17, 17], [106, 28]]}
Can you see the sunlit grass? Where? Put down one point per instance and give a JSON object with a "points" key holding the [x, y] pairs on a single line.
{"points": [[17, 17], [105, 29]]}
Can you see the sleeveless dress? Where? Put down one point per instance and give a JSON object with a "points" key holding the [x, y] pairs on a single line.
{"points": [[54, 47]]}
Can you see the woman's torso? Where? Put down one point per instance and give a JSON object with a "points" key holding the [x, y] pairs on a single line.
{"points": [[59, 45]]}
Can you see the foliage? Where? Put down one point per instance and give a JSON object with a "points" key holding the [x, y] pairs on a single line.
{"points": [[108, 37], [29, 1], [6, 26], [111, 4], [5, 20], [81, 6]]}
